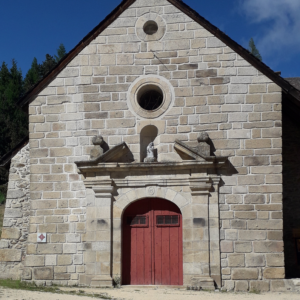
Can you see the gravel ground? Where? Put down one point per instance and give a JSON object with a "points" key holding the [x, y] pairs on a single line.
{"points": [[143, 294]]}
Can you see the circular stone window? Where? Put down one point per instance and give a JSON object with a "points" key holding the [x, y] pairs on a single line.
{"points": [[150, 97], [150, 27]]}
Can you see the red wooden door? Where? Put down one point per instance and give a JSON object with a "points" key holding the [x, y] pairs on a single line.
{"points": [[152, 243]]}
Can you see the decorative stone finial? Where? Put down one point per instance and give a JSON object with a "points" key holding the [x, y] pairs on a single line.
{"points": [[203, 137], [98, 140], [203, 148], [98, 149]]}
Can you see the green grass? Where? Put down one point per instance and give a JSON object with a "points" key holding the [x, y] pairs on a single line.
{"points": [[254, 291], [30, 286], [19, 285]]}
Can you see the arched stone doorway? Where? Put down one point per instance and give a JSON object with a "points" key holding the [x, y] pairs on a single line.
{"points": [[152, 243]]}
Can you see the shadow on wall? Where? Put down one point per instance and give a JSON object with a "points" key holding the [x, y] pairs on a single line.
{"points": [[291, 192]]}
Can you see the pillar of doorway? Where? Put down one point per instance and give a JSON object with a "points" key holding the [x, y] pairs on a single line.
{"points": [[99, 232]]}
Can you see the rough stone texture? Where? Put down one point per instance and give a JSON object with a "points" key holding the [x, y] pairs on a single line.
{"points": [[10, 255], [43, 273], [215, 91], [16, 216]]}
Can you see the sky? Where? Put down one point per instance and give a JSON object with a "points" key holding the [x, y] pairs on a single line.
{"points": [[34, 28]]}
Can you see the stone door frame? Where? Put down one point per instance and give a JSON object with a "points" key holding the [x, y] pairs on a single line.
{"points": [[204, 194], [114, 186]]}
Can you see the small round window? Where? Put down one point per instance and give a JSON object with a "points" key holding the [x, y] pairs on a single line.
{"points": [[150, 97], [150, 27]]}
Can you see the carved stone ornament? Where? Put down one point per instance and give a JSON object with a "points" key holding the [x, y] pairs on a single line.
{"points": [[97, 150], [118, 153], [203, 148], [150, 154], [199, 153]]}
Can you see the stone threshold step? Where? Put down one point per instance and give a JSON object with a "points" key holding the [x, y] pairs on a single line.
{"points": [[181, 287]]}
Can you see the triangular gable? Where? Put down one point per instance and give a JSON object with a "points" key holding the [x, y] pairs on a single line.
{"points": [[285, 85], [119, 153]]}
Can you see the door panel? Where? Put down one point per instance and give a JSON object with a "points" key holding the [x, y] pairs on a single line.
{"points": [[152, 252]]}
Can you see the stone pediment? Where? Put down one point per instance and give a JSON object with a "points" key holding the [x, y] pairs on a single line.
{"points": [[199, 153], [119, 153], [188, 153]]}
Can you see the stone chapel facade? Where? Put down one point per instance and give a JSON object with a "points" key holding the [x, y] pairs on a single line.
{"points": [[152, 71]]}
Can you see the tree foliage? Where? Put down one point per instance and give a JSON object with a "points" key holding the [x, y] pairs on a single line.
{"points": [[38, 71], [254, 50], [32, 76], [13, 121], [61, 52]]}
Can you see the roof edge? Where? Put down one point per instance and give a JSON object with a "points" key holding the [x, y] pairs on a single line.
{"points": [[6, 158], [262, 67], [74, 52]]}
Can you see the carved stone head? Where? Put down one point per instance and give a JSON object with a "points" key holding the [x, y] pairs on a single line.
{"points": [[203, 137], [98, 140]]}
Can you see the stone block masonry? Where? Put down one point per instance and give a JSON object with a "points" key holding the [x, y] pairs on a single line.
{"points": [[16, 216], [216, 91]]}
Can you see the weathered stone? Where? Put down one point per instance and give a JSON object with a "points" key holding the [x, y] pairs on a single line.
{"points": [[241, 286], [10, 255], [269, 246], [206, 73], [15, 194], [244, 274], [259, 286], [274, 273], [49, 249], [13, 213], [10, 233], [275, 260], [236, 260], [255, 260], [45, 273], [27, 274], [35, 261]]}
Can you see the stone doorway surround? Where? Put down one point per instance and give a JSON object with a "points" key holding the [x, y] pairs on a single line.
{"points": [[193, 185]]}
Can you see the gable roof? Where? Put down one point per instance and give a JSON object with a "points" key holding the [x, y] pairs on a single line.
{"points": [[276, 78], [291, 91], [5, 159], [295, 81]]}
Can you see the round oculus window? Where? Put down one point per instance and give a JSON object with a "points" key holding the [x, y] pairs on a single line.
{"points": [[150, 97], [150, 27]]}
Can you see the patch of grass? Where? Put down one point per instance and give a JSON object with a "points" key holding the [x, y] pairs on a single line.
{"points": [[117, 281], [102, 296], [254, 291], [31, 286]]}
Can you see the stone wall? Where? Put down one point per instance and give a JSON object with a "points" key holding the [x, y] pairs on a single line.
{"points": [[215, 91], [16, 216]]}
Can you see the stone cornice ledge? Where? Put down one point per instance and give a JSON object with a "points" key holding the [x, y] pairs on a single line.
{"points": [[213, 162]]}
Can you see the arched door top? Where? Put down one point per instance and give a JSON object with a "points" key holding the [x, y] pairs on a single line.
{"points": [[152, 243]]}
